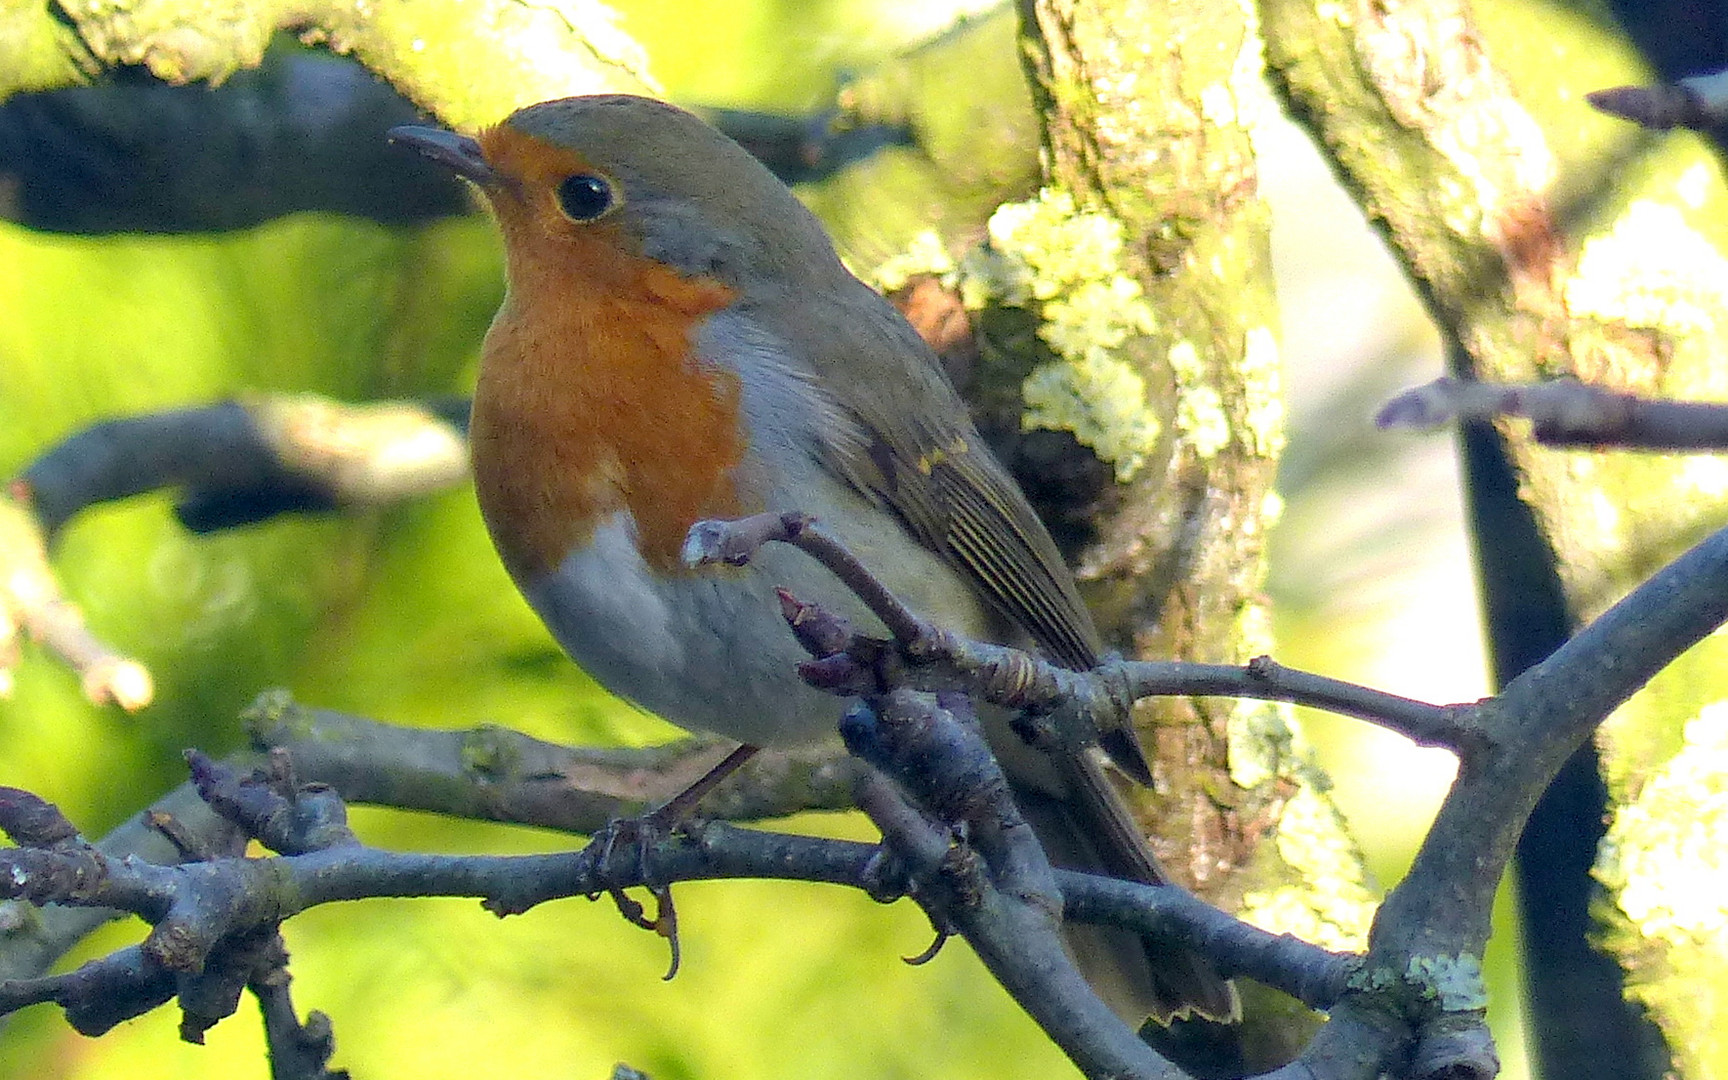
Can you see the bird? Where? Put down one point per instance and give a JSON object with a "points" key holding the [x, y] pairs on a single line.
{"points": [[679, 341]]}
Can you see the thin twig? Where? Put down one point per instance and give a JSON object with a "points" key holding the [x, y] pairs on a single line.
{"points": [[200, 909], [935, 660], [1698, 102], [298, 1051], [31, 600], [1449, 726], [1566, 412]]}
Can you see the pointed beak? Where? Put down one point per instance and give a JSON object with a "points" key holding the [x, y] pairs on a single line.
{"points": [[458, 153]]}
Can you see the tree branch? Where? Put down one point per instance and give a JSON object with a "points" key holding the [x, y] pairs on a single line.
{"points": [[1566, 413], [1433, 925], [235, 463], [1314, 976], [247, 460], [495, 774], [509, 54], [995, 886], [31, 601], [1697, 102], [1418, 978]]}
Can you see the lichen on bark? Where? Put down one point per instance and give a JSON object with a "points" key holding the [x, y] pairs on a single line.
{"points": [[469, 62], [1160, 140]]}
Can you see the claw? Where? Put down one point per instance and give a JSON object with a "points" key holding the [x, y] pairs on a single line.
{"points": [[666, 925], [929, 953], [665, 920]]}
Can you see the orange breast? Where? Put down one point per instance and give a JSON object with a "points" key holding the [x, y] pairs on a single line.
{"points": [[590, 402]]}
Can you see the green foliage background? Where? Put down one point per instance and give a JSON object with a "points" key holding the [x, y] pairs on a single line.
{"points": [[406, 615]]}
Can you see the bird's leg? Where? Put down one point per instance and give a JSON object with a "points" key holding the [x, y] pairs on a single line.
{"points": [[679, 807]]}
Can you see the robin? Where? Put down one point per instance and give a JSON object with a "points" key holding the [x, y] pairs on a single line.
{"points": [[679, 341]]}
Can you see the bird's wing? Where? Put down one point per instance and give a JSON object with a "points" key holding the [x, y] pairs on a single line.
{"points": [[947, 487], [932, 469], [929, 466]]}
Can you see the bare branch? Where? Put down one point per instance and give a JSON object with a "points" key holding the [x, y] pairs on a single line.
{"points": [[177, 826], [1447, 726], [31, 600], [494, 774], [244, 461], [997, 889], [298, 1051], [933, 659], [208, 897], [1428, 937], [1698, 102], [734, 543], [99, 994], [527, 53], [236, 463], [1436, 921], [1312, 975], [1566, 413]]}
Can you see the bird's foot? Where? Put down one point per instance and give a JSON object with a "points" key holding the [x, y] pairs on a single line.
{"points": [[639, 835]]}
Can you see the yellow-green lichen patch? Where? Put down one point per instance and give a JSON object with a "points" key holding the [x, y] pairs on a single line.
{"points": [[1218, 104], [1373, 980], [1200, 415], [926, 254], [1329, 903], [39, 51], [986, 276], [1326, 898], [1338, 14], [1694, 185], [1605, 518], [1621, 516], [1062, 246], [271, 708], [1707, 477], [1249, 103], [1254, 621], [1665, 857], [1263, 392], [1654, 270], [1272, 509], [1651, 269], [1642, 737], [1102, 401], [1066, 264], [489, 752], [1261, 736], [1095, 316], [1664, 862]]}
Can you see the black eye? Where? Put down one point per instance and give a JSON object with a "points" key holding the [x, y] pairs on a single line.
{"points": [[584, 197]]}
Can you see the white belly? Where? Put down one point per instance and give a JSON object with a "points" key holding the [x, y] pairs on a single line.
{"points": [[709, 650]]}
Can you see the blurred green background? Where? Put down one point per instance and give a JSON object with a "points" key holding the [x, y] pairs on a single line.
{"points": [[405, 615]]}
